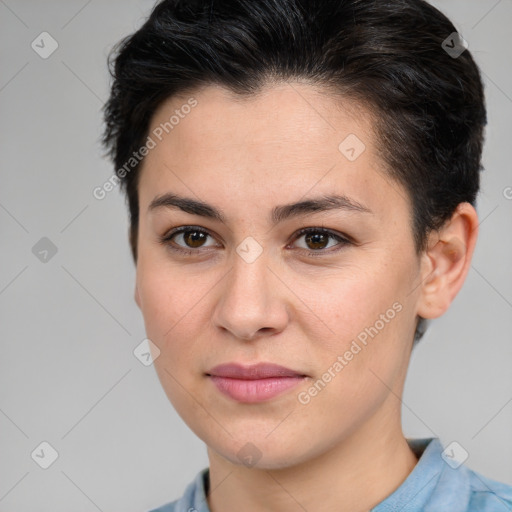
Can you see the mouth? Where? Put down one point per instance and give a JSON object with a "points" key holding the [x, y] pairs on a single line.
{"points": [[255, 383]]}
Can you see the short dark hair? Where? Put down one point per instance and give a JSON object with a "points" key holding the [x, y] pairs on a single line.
{"points": [[428, 104]]}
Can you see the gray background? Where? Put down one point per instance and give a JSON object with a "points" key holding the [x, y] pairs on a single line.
{"points": [[69, 325]]}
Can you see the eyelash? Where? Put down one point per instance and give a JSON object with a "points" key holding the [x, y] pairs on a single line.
{"points": [[167, 238]]}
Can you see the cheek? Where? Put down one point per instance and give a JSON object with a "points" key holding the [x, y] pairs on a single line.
{"points": [[173, 310], [369, 326], [352, 303], [174, 319]]}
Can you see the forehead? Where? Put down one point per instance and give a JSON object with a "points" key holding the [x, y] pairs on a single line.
{"points": [[283, 113], [288, 139]]}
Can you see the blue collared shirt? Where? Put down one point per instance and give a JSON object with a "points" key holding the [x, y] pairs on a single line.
{"points": [[436, 484]]}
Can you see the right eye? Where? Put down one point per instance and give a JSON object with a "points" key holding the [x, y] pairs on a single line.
{"points": [[192, 237]]}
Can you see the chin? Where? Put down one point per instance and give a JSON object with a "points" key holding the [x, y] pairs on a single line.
{"points": [[261, 452]]}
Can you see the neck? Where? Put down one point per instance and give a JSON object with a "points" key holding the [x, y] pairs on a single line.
{"points": [[353, 476]]}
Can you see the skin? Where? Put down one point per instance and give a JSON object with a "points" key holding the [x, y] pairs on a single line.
{"points": [[345, 449]]}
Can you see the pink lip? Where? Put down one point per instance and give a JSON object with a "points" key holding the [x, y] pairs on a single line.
{"points": [[255, 371], [253, 383]]}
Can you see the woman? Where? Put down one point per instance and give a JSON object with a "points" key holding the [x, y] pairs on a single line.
{"points": [[301, 179]]}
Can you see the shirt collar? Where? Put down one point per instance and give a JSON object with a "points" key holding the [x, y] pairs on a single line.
{"points": [[417, 487]]}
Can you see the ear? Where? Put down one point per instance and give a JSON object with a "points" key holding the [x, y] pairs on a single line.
{"points": [[445, 264]]}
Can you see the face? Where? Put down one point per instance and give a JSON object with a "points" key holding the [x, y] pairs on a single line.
{"points": [[336, 304]]}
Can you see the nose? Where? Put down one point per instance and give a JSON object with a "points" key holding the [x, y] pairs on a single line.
{"points": [[253, 301]]}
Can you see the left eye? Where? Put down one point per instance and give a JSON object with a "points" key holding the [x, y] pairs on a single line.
{"points": [[316, 239]]}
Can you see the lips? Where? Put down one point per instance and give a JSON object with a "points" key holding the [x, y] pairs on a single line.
{"points": [[256, 383], [253, 372]]}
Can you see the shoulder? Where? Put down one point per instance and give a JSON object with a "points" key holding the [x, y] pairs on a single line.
{"points": [[440, 482], [193, 499], [184, 504], [169, 507], [466, 490], [488, 495]]}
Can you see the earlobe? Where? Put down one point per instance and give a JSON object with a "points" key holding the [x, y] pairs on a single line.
{"points": [[447, 261]]}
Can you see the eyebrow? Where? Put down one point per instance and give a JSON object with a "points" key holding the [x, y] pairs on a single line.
{"points": [[278, 214]]}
